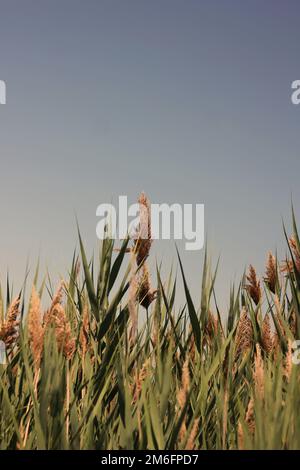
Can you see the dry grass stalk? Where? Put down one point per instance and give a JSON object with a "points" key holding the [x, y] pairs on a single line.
{"points": [[253, 286], [244, 334], [266, 334], [271, 273], [9, 328], [36, 330]]}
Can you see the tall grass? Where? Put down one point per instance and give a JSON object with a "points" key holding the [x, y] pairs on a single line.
{"points": [[85, 375]]}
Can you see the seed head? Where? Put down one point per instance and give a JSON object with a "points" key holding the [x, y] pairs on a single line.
{"points": [[271, 273], [244, 334], [253, 286]]}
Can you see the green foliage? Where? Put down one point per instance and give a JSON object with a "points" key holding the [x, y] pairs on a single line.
{"points": [[182, 384]]}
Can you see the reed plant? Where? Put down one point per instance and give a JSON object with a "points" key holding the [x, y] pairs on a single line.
{"points": [[90, 373]]}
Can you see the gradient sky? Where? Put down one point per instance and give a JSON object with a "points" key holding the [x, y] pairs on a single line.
{"points": [[187, 100]]}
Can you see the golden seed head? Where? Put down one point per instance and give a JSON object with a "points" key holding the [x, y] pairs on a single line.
{"points": [[244, 334], [35, 328], [266, 334]]}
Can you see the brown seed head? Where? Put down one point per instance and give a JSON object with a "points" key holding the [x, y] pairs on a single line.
{"points": [[244, 334], [143, 240], [9, 328], [146, 294], [271, 273], [253, 286]]}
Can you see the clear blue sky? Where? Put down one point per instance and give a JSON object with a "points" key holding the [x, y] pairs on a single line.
{"points": [[187, 100]]}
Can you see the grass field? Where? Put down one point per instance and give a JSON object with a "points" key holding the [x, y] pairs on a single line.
{"points": [[85, 374]]}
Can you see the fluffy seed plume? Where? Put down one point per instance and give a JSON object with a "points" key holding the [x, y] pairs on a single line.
{"points": [[288, 265], [295, 249], [211, 325], [143, 240], [266, 334], [56, 317], [139, 284], [140, 378], [146, 294], [9, 328], [35, 328], [253, 286], [271, 273], [244, 334]]}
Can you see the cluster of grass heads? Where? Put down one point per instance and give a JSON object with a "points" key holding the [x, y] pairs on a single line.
{"points": [[77, 378]]}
